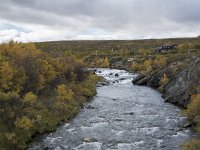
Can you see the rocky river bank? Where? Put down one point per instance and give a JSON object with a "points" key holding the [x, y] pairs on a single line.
{"points": [[180, 87], [121, 116]]}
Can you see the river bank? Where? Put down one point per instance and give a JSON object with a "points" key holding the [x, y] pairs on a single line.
{"points": [[121, 116], [177, 90]]}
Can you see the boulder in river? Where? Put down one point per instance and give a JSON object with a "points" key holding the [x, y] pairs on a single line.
{"points": [[129, 113], [143, 81], [139, 77], [114, 99], [187, 124], [122, 79], [116, 75], [118, 119], [90, 107], [89, 139]]}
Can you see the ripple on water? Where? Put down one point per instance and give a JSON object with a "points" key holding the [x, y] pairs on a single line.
{"points": [[122, 116], [89, 146], [130, 146], [53, 140]]}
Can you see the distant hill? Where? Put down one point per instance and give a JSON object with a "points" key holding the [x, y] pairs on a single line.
{"points": [[91, 45], [198, 36]]}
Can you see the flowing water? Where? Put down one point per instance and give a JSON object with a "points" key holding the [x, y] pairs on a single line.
{"points": [[121, 116]]}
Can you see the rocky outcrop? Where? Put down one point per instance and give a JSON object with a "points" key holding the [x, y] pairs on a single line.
{"points": [[179, 90], [152, 80], [137, 78], [143, 81]]}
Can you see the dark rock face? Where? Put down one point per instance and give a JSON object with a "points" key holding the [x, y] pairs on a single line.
{"points": [[154, 81], [179, 90], [142, 81], [151, 80], [138, 78]]}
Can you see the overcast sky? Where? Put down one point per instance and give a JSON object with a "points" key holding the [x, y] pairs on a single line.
{"points": [[42, 20]]}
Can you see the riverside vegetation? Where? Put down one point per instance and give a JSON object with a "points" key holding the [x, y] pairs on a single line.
{"points": [[45, 83], [38, 91], [158, 70]]}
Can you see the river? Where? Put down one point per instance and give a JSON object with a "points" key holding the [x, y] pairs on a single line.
{"points": [[121, 116]]}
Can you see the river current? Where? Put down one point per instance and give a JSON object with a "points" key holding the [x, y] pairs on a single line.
{"points": [[121, 116]]}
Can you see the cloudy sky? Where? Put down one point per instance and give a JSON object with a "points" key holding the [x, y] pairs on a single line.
{"points": [[42, 20]]}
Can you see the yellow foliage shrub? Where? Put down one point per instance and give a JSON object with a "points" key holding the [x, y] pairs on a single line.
{"points": [[182, 47], [64, 92], [30, 97], [148, 66], [136, 67], [194, 107], [159, 61], [103, 62], [26, 73], [164, 80], [11, 137], [23, 123], [6, 75], [106, 62]]}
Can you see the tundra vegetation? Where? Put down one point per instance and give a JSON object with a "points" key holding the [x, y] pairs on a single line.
{"points": [[140, 56], [38, 91], [45, 83]]}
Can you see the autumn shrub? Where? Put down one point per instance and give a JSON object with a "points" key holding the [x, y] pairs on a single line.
{"points": [[193, 108], [30, 97], [101, 62], [193, 144], [137, 66], [183, 47], [159, 61], [148, 66], [193, 113], [164, 80], [38, 91]]}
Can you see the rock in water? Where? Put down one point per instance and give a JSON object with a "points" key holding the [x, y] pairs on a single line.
{"points": [[179, 90], [187, 125], [142, 81], [90, 107], [89, 139], [111, 74], [129, 113], [122, 79], [116, 75], [139, 77]]}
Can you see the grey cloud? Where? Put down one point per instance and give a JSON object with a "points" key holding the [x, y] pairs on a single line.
{"points": [[112, 16], [110, 10]]}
